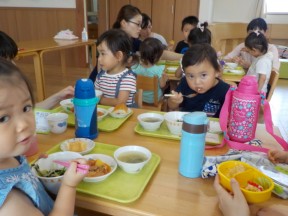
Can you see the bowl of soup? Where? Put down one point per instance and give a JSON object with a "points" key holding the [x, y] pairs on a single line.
{"points": [[150, 121], [174, 121], [132, 158]]}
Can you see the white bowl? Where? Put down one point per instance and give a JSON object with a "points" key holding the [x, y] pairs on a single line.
{"points": [[136, 158], [150, 121], [67, 105], [52, 184], [104, 158], [231, 65], [78, 143], [118, 115], [98, 93], [57, 122], [171, 69], [104, 111], [174, 121], [235, 71]]}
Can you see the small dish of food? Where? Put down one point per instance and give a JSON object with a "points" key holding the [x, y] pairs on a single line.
{"points": [[174, 121], [231, 65], [101, 167], [50, 173], [119, 111], [80, 145], [236, 71], [132, 158], [67, 105], [101, 113], [150, 121], [171, 69]]}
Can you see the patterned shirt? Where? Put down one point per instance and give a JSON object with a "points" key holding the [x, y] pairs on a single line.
{"points": [[107, 83]]}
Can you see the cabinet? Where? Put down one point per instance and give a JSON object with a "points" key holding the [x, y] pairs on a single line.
{"points": [[166, 15]]}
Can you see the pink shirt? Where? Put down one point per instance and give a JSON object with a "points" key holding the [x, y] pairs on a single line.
{"points": [[249, 58]]}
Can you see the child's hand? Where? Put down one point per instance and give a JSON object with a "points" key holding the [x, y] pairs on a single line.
{"points": [[177, 98], [71, 177], [165, 77], [275, 210], [278, 156], [231, 205], [65, 93]]}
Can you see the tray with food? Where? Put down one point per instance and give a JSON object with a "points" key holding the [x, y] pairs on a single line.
{"points": [[114, 184]]}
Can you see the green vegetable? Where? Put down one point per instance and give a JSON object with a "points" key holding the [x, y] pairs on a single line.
{"points": [[49, 173], [264, 182]]}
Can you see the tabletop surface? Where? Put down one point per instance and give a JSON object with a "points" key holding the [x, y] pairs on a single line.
{"points": [[167, 193]]}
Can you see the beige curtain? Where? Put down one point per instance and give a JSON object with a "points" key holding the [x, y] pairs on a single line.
{"points": [[260, 8]]}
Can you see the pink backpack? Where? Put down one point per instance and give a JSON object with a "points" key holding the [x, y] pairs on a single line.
{"points": [[239, 116]]}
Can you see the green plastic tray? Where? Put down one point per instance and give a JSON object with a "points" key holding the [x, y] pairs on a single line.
{"points": [[108, 124], [163, 132], [120, 186], [230, 73]]}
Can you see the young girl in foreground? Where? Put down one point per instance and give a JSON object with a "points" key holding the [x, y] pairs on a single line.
{"points": [[151, 50], [117, 83], [202, 88], [21, 191], [257, 46]]}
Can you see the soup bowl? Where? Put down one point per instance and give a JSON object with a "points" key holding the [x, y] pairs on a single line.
{"points": [[150, 121], [174, 121], [132, 158]]}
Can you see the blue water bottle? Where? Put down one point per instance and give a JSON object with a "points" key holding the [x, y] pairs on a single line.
{"points": [[85, 109], [192, 146]]}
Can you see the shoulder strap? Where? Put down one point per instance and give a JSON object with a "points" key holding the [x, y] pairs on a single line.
{"points": [[120, 80]]}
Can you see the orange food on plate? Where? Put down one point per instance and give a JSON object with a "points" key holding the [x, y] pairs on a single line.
{"points": [[77, 146], [99, 113], [120, 109], [97, 168]]}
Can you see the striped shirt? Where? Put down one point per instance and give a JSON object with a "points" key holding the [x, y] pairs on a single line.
{"points": [[107, 83]]}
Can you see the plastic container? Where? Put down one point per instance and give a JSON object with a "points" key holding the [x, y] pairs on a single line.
{"points": [[85, 109], [84, 35], [243, 173], [192, 146]]}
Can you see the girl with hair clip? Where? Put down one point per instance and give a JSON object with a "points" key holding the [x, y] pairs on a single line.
{"points": [[151, 50], [200, 89], [257, 46], [21, 192], [198, 35], [115, 80]]}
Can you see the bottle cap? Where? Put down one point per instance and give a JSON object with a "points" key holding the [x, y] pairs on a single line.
{"points": [[248, 84], [84, 89]]}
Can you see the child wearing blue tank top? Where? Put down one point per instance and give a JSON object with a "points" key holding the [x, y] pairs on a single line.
{"points": [[21, 193]]}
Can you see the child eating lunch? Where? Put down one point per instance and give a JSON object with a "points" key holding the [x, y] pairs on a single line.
{"points": [[115, 80], [200, 89], [21, 191], [151, 50]]}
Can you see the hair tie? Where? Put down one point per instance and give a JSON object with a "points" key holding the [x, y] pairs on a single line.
{"points": [[257, 33], [201, 27]]}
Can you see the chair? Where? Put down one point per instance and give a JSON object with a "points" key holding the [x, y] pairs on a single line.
{"points": [[272, 82], [149, 84], [139, 98]]}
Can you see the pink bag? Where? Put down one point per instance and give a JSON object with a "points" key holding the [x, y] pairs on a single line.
{"points": [[239, 116]]}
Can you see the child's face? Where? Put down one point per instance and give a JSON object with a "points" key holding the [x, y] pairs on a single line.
{"points": [[186, 30], [107, 60], [133, 26], [17, 123], [201, 77], [254, 52], [145, 33]]}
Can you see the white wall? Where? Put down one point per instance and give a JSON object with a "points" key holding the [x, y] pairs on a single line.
{"points": [[233, 11], [39, 3]]}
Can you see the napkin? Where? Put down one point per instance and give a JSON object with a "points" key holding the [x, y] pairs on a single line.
{"points": [[65, 35]]}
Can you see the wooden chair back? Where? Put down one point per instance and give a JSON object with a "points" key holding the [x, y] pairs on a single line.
{"points": [[139, 98], [273, 83]]}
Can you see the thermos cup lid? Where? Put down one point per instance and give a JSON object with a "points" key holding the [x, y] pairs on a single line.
{"points": [[84, 89], [248, 84], [195, 122]]}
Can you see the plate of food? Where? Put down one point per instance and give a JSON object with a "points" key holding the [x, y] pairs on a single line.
{"points": [[79, 145], [119, 111], [101, 113]]}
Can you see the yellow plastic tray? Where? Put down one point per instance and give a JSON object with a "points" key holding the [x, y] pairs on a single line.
{"points": [[108, 124], [163, 132], [120, 186]]}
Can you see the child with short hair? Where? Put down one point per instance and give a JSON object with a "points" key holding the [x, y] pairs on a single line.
{"points": [[9, 50], [200, 89], [198, 35], [151, 50], [20, 190], [115, 80], [257, 46], [188, 23]]}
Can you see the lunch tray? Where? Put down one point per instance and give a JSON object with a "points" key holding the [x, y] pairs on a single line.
{"points": [[163, 132], [108, 124], [120, 186], [227, 72]]}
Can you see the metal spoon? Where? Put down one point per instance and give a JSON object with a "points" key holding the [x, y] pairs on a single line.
{"points": [[187, 96]]}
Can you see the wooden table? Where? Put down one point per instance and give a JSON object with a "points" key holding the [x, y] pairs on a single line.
{"points": [[38, 48], [167, 193]]}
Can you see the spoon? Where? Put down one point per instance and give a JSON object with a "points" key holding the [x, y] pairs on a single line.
{"points": [[187, 96]]}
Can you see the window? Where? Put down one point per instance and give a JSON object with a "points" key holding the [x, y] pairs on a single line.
{"points": [[277, 7]]}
